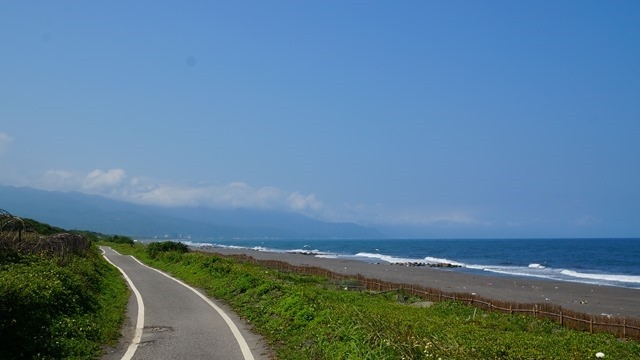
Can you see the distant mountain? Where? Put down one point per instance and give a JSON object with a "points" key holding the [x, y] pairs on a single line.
{"points": [[74, 210]]}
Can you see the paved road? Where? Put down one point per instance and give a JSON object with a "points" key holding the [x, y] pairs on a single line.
{"points": [[169, 320]]}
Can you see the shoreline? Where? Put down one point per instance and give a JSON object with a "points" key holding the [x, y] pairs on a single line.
{"points": [[580, 297]]}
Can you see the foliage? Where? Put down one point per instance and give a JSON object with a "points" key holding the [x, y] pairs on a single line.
{"points": [[156, 248], [119, 239], [52, 311], [306, 317], [56, 305], [41, 228]]}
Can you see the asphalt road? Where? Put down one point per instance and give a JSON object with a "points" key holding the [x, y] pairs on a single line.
{"points": [[170, 320]]}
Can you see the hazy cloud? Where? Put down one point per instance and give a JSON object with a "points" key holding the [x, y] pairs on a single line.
{"points": [[232, 195], [301, 202], [103, 181], [5, 141], [115, 183], [61, 180]]}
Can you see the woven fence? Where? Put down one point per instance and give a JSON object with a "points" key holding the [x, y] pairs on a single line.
{"points": [[16, 237], [621, 327]]}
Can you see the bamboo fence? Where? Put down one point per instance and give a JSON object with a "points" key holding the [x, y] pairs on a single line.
{"points": [[15, 236], [621, 327]]}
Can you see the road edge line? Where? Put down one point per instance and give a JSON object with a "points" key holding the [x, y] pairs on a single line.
{"points": [[131, 350], [244, 347]]}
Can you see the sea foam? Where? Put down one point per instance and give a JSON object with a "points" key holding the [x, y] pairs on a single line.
{"points": [[607, 277]]}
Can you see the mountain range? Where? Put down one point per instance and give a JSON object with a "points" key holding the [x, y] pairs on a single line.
{"points": [[75, 210]]}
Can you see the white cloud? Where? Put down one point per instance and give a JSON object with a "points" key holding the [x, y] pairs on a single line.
{"points": [[300, 202], [104, 181], [232, 195], [5, 141], [116, 184], [61, 180]]}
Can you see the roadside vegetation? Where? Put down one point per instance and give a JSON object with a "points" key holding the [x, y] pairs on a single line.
{"points": [[309, 317], [56, 301]]}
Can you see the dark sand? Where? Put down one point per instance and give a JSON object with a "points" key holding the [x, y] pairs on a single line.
{"points": [[586, 298]]}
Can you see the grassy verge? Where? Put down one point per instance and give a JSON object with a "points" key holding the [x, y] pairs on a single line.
{"points": [[306, 317], [53, 309]]}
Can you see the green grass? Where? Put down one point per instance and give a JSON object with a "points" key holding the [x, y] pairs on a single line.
{"points": [[52, 309], [307, 317]]}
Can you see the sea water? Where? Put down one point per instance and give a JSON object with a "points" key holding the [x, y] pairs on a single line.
{"points": [[614, 262]]}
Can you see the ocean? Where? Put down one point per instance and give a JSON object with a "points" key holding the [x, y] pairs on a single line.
{"points": [[614, 262]]}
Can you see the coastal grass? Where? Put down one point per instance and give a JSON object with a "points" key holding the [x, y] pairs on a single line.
{"points": [[309, 317], [54, 309]]}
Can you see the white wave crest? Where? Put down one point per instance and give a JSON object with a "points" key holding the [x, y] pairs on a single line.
{"points": [[388, 258], [399, 260], [433, 260], [315, 252], [606, 277], [536, 266], [197, 244], [327, 256]]}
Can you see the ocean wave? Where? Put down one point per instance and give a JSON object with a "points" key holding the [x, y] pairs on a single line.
{"points": [[634, 279], [561, 274], [221, 246], [258, 248], [526, 271], [197, 244], [328, 256], [315, 252], [536, 266], [386, 258], [399, 260], [531, 269], [433, 260]]}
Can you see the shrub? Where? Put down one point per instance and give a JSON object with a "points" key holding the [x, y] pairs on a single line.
{"points": [[54, 310], [155, 248], [41, 228], [118, 239]]}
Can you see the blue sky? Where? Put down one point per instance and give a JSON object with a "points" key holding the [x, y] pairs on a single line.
{"points": [[424, 118]]}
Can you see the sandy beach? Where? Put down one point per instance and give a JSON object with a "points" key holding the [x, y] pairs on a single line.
{"points": [[592, 299]]}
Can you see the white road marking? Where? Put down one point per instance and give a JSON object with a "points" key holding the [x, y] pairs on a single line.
{"points": [[140, 321], [244, 347]]}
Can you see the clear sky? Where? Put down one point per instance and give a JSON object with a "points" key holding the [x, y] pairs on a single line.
{"points": [[429, 118]]}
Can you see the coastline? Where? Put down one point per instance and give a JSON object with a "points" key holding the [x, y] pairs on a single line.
{"points": [[586, 298]]}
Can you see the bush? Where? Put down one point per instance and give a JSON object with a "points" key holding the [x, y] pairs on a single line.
{"points": [[41, 228], [54, 310], [153, 249], [118, 239]]}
